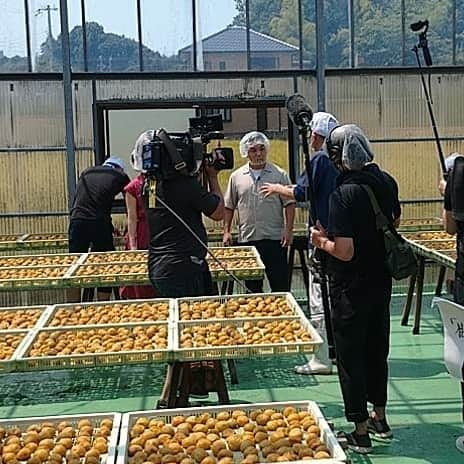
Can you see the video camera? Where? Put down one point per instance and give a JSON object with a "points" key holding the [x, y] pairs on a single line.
{"points": [[174, 154]]}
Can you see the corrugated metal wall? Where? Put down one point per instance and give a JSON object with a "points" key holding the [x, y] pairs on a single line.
{"points": [[389, 106]]}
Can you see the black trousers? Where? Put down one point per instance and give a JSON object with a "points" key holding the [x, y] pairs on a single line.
{"points": [[275, 260], [361, 326]]}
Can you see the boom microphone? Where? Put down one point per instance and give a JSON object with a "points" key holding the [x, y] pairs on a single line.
{"points": [[299, 111]]}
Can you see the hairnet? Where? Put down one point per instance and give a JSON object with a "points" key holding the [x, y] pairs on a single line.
{"points": [[449, 161], [136, 156], [115, 162], [323, 123], [349, 145], [251, 139]]}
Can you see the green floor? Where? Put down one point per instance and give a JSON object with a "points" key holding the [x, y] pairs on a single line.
{"points": [[424, 407]]}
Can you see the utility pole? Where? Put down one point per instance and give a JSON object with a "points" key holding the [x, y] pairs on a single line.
{"points": [[49, 10]]}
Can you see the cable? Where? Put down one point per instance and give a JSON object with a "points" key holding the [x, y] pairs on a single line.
{"points": [[198, 239]]}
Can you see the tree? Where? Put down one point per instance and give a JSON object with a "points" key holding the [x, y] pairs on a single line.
{"points": [[106, 52]]}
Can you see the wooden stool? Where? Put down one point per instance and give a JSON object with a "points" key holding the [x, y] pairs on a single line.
{"points": [[182, 377]]}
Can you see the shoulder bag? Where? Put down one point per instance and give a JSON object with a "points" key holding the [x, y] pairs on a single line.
{"points": [[399, 256]]}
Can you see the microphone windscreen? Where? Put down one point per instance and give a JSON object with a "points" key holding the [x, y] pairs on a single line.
{"points": [[298, 109]]}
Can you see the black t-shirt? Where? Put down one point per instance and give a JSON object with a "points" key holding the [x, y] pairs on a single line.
{"points": [[449, 203], [95, 192], [351, 215], [173, 249]]}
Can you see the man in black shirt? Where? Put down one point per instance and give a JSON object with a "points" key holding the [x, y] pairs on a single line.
{"points": [[90, 226], [360, 284], [453, 219], [176, 263]]}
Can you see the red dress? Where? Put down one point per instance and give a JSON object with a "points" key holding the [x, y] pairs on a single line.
{"points": [[134, 188]]}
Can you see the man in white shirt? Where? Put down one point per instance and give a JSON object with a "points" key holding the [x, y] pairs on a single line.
{"points": [[264, 222]]}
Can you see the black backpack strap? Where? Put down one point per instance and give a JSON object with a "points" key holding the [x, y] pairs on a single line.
{"points": [[179, 164], [381, 221]]}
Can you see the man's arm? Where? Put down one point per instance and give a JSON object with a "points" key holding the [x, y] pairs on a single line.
{"points": [[285, 191], [287, 238], [214, 187], [449, 222], [227, 236]]}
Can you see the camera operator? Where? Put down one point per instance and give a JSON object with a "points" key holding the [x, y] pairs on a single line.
{"points": [[360, 284], [176, 263], [261, 220], [323, 184]]}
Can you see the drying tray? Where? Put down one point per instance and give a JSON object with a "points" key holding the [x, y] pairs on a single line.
{"points": [[255, 272], [327, 436], [293, 307], [433, 255], [41, 310], [437, 245], [244, 351], [110, 257], [233, 252], [419, 224], [428, 235], [18, 282], [7, 365], [32, 261], [25, 363], [101, 276], [108, 458], [47, 320], [45, 240], [9, 241]]}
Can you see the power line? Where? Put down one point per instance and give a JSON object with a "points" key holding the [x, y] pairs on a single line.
{"points": [[49, 10]]}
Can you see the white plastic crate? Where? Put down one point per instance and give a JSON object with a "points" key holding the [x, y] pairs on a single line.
{"points": [[327, 436]]}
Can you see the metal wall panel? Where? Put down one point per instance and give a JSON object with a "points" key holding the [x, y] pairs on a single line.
{"points": [[193, 88], [394, 106], [82, 107], [38, 114], [6, 116]]}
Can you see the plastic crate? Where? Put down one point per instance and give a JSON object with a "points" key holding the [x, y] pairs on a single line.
{"points": [[17, 281], [95, 419], [293, 307], [32, 261], [201, 353], [418, 224], [17, 309], [45, 240], [437, 256], [24, 362], [103, 276], [7, 365], [71, 307], [110, 257], [232, 252], [327, 436]]}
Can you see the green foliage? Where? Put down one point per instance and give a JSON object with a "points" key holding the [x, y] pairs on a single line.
{"points": [[377, 28], [105, 52]]}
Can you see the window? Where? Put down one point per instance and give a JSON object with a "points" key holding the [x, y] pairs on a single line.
{"points": [[226, 113], [222, 66]]}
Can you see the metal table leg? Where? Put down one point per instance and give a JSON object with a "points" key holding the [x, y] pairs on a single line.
{"points": [[408, 303], [441, 279], [420, 287]]}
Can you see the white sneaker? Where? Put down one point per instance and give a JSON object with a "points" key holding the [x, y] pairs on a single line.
{"points": [[314, 367]]}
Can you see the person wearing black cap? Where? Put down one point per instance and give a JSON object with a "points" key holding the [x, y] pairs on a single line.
{"points": [[90, 225], [360, 284]]}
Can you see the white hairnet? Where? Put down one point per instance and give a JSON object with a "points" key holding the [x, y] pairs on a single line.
{"points": [[136, 155], [251, 139], [322, 123], [115, 162], [449, 161], [349, 145]]}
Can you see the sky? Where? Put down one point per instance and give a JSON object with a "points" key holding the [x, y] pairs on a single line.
{"points": [[166, 24]]}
